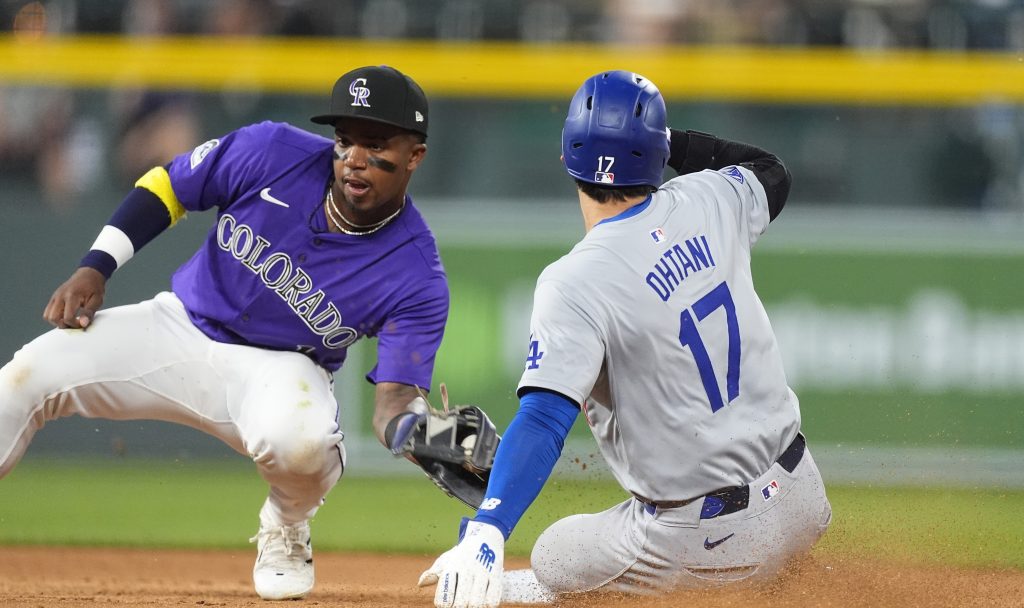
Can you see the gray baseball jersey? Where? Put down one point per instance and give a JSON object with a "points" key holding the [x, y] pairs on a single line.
{"points": [[652, 322]]}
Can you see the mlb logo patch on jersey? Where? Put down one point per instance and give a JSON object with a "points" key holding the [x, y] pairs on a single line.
{"points": [[604, 178], [733, 172], [658, 235], [770, 490]]}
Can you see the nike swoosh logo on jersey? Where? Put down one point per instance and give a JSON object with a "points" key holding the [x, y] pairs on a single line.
{"points": [[709, 545], [265, 195]]}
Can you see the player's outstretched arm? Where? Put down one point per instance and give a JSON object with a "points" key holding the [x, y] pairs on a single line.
{"points": [[693, 151], [75, 302], [147, 211], [470, 573], [393, 399], [454, 447]]}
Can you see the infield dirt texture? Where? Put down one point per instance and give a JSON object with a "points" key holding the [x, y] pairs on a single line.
{"points": [[34, 577]]}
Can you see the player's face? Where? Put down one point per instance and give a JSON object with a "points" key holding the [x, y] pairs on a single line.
{"points": [[372, 165]]}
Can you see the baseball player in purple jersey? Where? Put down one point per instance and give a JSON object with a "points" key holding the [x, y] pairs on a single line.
{"points": [[652, 327], [315, 245]]}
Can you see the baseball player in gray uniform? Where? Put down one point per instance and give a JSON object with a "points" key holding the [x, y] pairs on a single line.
{"points": [[651, 327], [315, 245]]}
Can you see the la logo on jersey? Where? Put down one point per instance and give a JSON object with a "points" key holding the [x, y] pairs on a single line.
{"points": [[534, 355], [360, 94]]}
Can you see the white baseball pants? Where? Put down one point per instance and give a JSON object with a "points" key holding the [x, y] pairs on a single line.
{"points": [[148, 361], [633, 548]]}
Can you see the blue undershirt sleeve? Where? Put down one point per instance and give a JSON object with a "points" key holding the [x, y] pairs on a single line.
{"points": [[527, 454]]}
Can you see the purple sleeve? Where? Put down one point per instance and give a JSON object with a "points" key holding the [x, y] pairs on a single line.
{"points": [[218, 170], [408, 341]]}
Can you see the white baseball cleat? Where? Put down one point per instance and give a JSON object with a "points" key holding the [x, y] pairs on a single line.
{"points": [[284, 562]]}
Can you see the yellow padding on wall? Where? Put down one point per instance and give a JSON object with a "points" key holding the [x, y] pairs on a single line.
{"points": [[519, 71], [157, 181]]}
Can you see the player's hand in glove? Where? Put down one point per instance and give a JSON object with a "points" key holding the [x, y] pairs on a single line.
{"points": [[75, 302], [455, 447], [469, 574]]}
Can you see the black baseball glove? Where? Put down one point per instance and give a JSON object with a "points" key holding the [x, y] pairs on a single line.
{"points": [[455, 448]]}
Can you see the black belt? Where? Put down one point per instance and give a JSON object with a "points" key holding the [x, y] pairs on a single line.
{"points": [[730, 500]]}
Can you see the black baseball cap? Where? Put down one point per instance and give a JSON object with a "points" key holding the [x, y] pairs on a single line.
{"points": [[378, 93]]}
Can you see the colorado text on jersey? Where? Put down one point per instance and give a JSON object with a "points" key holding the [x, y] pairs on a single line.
{"points": [[288, 280]]}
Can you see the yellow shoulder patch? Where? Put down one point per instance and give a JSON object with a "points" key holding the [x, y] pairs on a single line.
{"points": [[157, 181]]}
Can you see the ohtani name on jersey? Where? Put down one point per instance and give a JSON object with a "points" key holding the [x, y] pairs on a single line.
{"points": [[677, 263], [292, 283]]}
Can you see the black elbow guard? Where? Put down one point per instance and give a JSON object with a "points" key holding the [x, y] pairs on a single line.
{"points": [[691, 151], [776, 180]]}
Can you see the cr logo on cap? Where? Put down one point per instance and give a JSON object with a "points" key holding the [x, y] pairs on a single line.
{"points": [[360, 94]]}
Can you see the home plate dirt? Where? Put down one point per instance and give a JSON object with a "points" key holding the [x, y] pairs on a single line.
{"points": [[44, 577]]}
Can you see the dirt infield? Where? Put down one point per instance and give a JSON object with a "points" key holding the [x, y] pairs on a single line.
{"points": [[44, 577]]}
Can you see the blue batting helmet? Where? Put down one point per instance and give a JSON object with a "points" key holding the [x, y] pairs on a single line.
{"points": [[615, 133]]}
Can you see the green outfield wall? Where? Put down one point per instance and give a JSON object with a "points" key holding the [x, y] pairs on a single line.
{"points": [[893, 278], [903, 337], [885, 348], [907, 351]]}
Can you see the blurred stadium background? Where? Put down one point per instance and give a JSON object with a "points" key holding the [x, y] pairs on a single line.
{"points": [[893, 278]]}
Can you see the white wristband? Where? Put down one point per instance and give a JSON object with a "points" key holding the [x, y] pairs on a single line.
{"points": [[116, 243]]}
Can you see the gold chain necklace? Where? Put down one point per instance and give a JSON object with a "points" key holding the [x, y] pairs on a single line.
{"points": [[339, 219]]}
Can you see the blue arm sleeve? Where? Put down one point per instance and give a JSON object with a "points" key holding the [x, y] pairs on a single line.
{"points": [[526, 456]]}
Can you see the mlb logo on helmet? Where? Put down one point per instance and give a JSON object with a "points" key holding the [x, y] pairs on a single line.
{"points": [[616, 117], [770, 490]]}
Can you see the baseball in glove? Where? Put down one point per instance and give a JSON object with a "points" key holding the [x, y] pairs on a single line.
{"points": [[454, 447]]}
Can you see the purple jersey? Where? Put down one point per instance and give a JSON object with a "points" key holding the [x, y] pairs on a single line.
{"points": [[271, 275]]}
